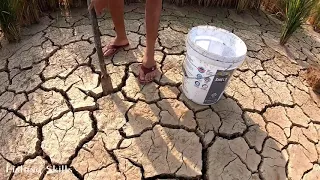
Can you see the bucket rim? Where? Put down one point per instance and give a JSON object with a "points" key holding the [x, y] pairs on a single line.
{"points": [[208, 54]]}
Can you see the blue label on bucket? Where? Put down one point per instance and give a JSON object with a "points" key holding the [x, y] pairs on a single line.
{"points": [[199, 76], [218, 85]]}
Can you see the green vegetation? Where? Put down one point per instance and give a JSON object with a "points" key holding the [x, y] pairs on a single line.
{"points": [[9, 19], [297, 11], [16, 13], [277, 7], [30, 12], [315, 17], [240, 4]]}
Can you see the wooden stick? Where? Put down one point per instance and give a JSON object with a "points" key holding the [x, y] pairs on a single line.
{"points": [[105, 78]]}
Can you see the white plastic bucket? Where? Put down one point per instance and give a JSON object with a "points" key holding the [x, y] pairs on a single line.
{"points": [[212, 56]]}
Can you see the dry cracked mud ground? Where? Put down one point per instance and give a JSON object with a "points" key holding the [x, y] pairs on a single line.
{"points": [[266, 126]]}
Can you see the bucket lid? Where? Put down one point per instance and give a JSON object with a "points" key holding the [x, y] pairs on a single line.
{"points": [[229, 39]]}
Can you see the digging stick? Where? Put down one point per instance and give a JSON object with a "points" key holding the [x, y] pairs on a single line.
{"points": [[105, 78]]}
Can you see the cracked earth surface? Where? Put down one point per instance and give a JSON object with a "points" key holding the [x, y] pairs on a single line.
{"points": [[53, 114]]}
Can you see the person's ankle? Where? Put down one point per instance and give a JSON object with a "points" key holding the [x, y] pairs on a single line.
{"points": [[149, 52], [120, 40], [148, 61]]}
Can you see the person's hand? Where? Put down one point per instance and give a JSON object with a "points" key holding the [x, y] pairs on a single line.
{"points": [[98, 5]]}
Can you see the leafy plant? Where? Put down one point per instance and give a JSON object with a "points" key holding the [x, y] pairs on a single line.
{"points": [[9, 10], [297, 11]]}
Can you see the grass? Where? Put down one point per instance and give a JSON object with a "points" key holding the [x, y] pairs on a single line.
{"points": [[26, 12], [47, 5], [313, 78], [275, 6], [248, 4], [315, 17], [297, 11], [219, 3], [72, 3], [16, 13], [9, 19], [30, 12], [242, 5]]}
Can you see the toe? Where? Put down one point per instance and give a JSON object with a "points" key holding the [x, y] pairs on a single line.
{"points": [[141, 75]]}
